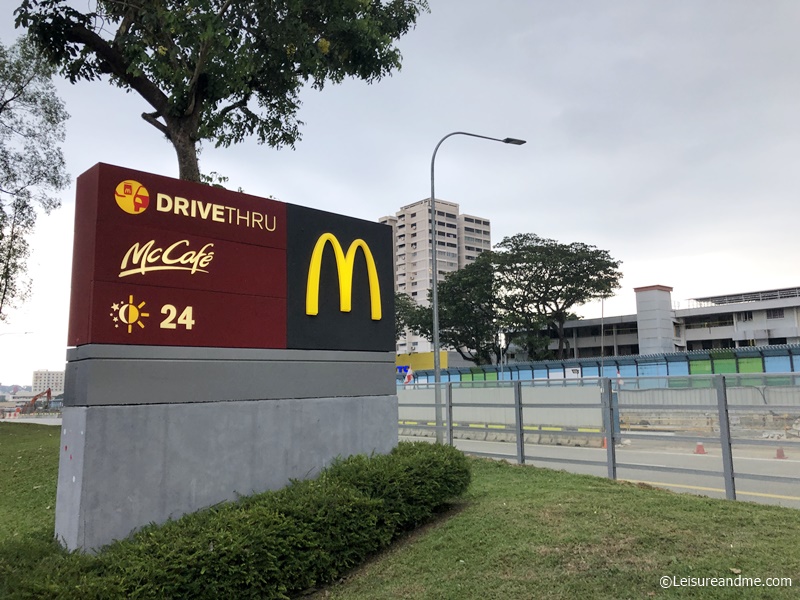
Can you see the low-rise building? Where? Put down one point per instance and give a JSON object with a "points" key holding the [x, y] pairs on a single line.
{"points": [[770, 317]]}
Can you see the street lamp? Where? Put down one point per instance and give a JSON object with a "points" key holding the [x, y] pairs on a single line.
{"points": [[437, 374]]}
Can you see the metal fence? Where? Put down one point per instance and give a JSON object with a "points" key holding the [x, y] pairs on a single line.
{"points": [[611, 426]]}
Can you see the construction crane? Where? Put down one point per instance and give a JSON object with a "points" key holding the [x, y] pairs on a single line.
{"points": [[32, 404]]}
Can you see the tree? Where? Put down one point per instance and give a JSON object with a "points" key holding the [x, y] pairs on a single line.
{"points": [[31, 163], [221, 70], [404, 314], [544, 278], [469, 320]]}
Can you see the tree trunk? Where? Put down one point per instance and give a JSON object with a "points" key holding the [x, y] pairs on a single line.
{"points": [[186, 149], [11, 266]]}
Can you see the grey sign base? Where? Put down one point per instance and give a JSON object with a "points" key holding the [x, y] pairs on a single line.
{"points": [[124, 465]]}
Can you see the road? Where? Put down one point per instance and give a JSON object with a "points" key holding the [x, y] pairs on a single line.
{"points": [[748, 460], [37, 420]]}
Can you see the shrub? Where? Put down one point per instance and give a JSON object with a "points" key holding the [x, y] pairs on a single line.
{"points": [[413, 481], [269, 545]]}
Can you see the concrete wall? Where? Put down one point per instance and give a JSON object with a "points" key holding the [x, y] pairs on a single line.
{"points": [[151, 436], [533, 415]]}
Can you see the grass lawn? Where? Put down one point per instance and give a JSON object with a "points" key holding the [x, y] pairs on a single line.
{"points": [[520, 533], [28, 476]]}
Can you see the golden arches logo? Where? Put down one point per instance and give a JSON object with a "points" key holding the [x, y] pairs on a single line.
{"points": [[344, 267], [132, 197]]}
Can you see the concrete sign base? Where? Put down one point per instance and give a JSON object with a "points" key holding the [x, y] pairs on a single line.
{"points": [[137, 449]]}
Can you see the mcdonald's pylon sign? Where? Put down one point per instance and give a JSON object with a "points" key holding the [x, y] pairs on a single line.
{"points": [[345, 263], [165, 262]]}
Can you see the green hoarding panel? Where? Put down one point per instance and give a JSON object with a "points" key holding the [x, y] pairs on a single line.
{"points": [[700, 367], [724, 365], [751, 365]]}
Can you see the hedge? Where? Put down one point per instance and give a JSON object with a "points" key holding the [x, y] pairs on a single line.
{"points": [[272, 545]]}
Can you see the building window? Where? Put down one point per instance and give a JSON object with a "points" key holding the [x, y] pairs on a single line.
{"points": [[745, 316], [777, 341], [775, 313]]}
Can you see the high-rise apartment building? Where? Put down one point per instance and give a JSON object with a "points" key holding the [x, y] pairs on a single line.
{"points": [[459, 240], [48, 379]]}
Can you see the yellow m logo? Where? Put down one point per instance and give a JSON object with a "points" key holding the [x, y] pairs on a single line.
{"points": [[344, 268]]}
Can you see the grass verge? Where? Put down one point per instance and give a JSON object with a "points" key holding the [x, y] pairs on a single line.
{"points": [[521, 533]]}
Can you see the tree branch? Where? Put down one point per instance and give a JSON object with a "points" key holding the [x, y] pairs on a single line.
{"points": [[240, 104], [119, 66], [152, 118], [201, 59]]}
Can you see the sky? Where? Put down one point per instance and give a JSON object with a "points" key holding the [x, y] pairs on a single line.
{"points": [[664, 132]]}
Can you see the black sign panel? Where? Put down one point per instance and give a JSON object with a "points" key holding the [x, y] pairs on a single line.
{"points": [[340, 289]]}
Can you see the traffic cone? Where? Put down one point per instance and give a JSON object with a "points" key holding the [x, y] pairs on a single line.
{"points": [[699, 449], [780, 454]]}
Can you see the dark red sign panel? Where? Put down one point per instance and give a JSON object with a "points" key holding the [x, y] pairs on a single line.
{"points": [[159, 261]]}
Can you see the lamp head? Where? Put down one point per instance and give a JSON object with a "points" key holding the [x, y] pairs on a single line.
{"points": [[513, 141]]}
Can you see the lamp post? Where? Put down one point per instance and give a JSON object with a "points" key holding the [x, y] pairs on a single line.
{"points": [[437, 374]]}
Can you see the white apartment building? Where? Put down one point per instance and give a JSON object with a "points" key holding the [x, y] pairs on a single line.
{"points": [[459, 240], [48, 379]]}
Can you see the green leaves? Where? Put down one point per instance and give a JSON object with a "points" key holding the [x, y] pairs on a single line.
{"points": [[32, 167], [542, 278], [404, 314], [222, 70], [529, 284]]}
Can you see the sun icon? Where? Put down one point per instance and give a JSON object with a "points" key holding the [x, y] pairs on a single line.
{"points": [[129, 313]]}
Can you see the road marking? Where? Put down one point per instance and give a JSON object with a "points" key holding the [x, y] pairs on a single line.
{"points": [[736, 455], [709, 489]]}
